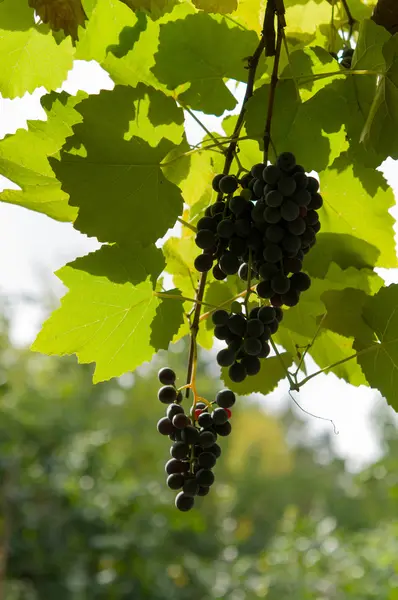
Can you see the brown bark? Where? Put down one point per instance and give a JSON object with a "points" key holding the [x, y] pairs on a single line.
{"points": [[386, 14]]}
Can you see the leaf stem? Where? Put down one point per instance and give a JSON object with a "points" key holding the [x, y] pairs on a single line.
{"points": [[199, 122], [350, 18], [293, 385], [274, 81], [186, 224], [182, 298]]}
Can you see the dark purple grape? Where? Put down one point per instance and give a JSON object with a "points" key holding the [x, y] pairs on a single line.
{"points": [[184, 502], [252, 364], [224, 429], [176, 466], [264, 290], [205, 238], [312, 185], [225, 398], [225, 357], [252, 347], [300, 281], [271, 174], [175, 481], [203, 263], [174, 409], [237, 372], [225, 228], [165, 426], [216, 182], [220, 317], [286, 161], [205, 477], [179, 450], [206, 439], [167, 394], [228, 184], [229, 263], [266, 314]]}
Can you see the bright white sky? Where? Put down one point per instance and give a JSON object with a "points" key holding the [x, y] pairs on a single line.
{"points": [[32, 247]]}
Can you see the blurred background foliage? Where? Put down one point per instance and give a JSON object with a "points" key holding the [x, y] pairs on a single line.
{"points": [[85, 513]]}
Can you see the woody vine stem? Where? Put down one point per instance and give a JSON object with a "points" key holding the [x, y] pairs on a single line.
{"points": [[267, 40]]}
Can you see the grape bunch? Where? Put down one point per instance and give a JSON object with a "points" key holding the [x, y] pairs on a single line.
{"points": [[263, 232], [247, 339], [194, 451]]}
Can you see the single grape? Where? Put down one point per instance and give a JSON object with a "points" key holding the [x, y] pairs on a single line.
{"points": [[237, 324], [272, 253], [265, 350], [165, 426], [272, 215], [266, 314], [302, 197], [205, 420], [174, 409], [176, 466], [252, 346], [308, 236], [237, 205], [206, 439], [175, 481], [225, 398], [221, 332], [167, 376], [254, 312], [276, 300], [264, 290], [228, 184], [316, 227], [225, 228], [289, 210], [296, 227], [167, 394], [252, 364], [237, 372], [190, 487], [203, 263], [220, 317], [286, 186], [255, 328], [274, 198], [257, 170], [205, 238], [206, 223], [316, 202], [291, 298], [312, 185], [207, 460], [184, 502], [218, 274], [179, 450], [215, 449], [312, 217], [278, 314], [242, 227], [301, 180], [225, 357], [286, 161], [268, 270], [224, 429], [205, 477], [258, 188], [216, 182], [271, 174], [274, 234], [243, 271], [217, 208], [291, 244], [180, 421], [229, 263], [245, 180], [238, 246], [190, 435], [203, 490], [292, 265], [300, 281], [280, 284], [235, 344]]}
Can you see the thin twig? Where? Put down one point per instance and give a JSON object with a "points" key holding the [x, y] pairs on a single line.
{"points": [[182, 298], [308, 346], [186, 224], [350, 18], [274, 82]]}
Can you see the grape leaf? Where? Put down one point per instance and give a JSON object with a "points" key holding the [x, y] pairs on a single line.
{"points": [[379, 132], [16, 15], [31, 57], [112, 326], [118, 186], [216, 6], [107, 20], [155, 7], [265, 381], [349, 209], [180, 254], [250, 13], [168, 319], [344, 312], [203, 50], [379, 361], [23, 158], [329, 348], [60, 14]]}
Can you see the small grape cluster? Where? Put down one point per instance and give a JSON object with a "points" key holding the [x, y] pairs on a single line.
{"points": [[264, 231], [247, 338], [194, 451]]}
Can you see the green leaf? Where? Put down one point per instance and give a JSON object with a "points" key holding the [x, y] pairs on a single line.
{"points": [[216, 6], [107, 314], [31, 57], [168, 320], [155, 7], [349, 209], [380, 129], [118, 186], [368, 52], [329, 348], [380, 361], [23, 158], [344, 312], [180, 254], [65, 14], [107, 20], [265, 381], [203, 50]]}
